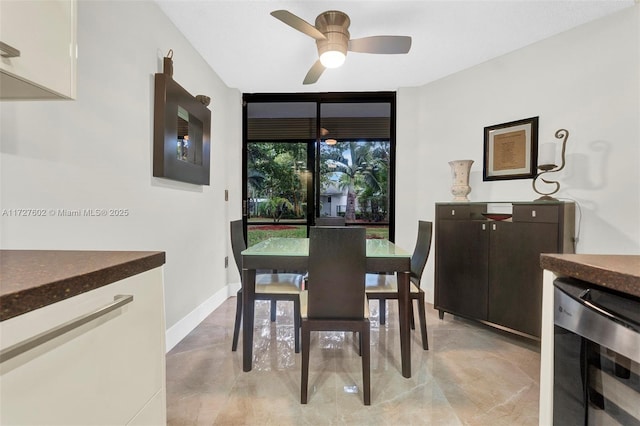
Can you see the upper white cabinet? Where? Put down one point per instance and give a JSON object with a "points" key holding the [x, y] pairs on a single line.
{"points": [[44, 34]]}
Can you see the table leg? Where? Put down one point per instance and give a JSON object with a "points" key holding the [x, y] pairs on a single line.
{"points": [[405, 320], [248, 307]]}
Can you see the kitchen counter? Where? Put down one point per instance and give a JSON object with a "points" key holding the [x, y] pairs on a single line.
{"points": [[616, 272], [32, 279], [81, 324]]}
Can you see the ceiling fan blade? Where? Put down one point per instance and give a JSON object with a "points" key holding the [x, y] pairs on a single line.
{"points": [[381, 44], [314, 73], [298, 23]]}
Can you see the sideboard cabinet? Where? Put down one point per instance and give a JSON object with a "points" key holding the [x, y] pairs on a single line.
{"points": [[489, 270]]}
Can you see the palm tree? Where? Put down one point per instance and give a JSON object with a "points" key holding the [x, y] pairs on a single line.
{"points": [[356, 166], [276, 207]]}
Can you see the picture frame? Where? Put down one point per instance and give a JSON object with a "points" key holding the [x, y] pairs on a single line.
{"points": [[181, 135], [511, 150]]}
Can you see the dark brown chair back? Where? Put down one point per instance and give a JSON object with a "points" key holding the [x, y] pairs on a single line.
{"points": [[337, 268], [421, 250], [330, 221], [238, 245]]}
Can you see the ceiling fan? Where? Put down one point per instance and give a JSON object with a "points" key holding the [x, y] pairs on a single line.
{"points": [[331, 33]]}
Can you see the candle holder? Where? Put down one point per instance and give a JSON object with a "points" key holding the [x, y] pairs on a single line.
{"points": [[551, 168]]}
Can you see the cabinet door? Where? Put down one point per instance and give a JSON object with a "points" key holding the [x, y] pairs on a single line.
{"points": [[515, 277], [109, 371], [462, 268], [44, 31]]}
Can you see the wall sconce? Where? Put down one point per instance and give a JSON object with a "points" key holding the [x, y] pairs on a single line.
{"points": [[181, 130], [550, 167]]}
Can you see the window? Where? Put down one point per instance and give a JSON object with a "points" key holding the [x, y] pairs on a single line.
{"points": [[309, 155]]}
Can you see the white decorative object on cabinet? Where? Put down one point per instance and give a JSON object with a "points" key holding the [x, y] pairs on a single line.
{"points": [[38, 49], [460, 170], [108, 371]]}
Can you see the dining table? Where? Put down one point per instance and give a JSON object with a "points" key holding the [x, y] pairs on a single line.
{"points": [[292, 254]]}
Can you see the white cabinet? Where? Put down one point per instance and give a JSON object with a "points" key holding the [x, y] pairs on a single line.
{"points": [[44, 32], [110, 371]]}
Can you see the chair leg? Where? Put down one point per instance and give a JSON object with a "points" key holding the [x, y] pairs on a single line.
{"points": [[236, 325], [296, 324], [273, 310], [366, 363], [383, 310], [304, 381], [413, 323], [423, 321]]}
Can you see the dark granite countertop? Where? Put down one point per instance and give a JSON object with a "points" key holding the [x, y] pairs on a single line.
{"points": [[617, 272], [31, 279]]}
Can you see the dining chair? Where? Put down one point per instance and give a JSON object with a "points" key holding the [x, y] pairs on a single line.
{"points": [[383, 287], [335, 299], [272, 287], [330, 221]]}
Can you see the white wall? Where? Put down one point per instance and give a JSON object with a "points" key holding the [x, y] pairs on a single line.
{"points": [[96, 152], [586, 80]]}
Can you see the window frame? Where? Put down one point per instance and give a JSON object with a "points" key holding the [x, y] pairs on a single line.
{"points": [[313, 156]]}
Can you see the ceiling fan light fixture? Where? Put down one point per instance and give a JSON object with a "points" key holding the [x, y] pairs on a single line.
{"points": [[333, 50], [332, 59], [331, 32]]}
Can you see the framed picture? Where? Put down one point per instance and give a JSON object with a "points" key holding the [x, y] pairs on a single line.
{"points": [[511, 150], [182, 123]]}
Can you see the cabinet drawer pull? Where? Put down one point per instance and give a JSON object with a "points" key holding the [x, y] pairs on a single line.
{"points": [[8, 51], [39, 339], [484, 226]]}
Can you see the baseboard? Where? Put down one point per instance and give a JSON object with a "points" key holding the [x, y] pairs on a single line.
{"points": [[182, 328]]}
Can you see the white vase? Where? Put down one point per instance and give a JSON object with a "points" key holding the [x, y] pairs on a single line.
{"points": [[460, 172]]}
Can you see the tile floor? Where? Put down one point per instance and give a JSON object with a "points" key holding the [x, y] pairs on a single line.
{"points": [[471, 375]]}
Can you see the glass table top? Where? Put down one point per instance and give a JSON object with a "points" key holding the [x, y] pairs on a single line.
{"points": [[280, 247], [300, 247]]}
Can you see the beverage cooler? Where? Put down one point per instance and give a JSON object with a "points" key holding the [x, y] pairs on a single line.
{"points": [[596, 355]]}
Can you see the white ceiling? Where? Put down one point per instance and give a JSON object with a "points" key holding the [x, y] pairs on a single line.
{"points": [[255, 53]]}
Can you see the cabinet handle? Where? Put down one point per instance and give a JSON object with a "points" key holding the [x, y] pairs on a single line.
{"points": [[453, 212], [8, 51], [533, 213], [494, 226], [39, 339], [484, 226]]}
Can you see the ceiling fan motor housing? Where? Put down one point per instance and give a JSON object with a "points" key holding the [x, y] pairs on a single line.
{"points": [[334, 25]]}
